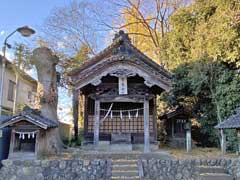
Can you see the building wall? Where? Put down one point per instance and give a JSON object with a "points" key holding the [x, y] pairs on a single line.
{"points": [[66, 131], [25, 86]]}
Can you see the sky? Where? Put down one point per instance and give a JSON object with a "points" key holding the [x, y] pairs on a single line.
{"points": [[33, 13], [17, 13]]}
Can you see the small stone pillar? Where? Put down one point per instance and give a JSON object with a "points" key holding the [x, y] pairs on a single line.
{"points": [[238, 137], [223, 142], [188, 137]]}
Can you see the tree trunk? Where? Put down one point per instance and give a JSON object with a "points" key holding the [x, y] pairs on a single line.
{"points": [[47, 95]]}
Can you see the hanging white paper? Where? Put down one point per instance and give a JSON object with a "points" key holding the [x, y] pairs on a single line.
{"points": [[136, 114]]}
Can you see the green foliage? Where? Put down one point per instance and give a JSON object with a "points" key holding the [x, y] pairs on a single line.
{"points": [[205, 28], [210, 91], [82, 55], [22, 59]]}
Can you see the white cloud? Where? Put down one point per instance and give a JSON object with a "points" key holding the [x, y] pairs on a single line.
{"points": [[2, 32], [60, 45]]}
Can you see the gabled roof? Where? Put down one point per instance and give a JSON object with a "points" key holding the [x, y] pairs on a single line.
{"points": [[121, 54], [31, 115], [178, 111], [233, 122]]}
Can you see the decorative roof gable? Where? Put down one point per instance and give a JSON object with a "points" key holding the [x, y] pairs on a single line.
{"points": [[120, 57], [31, 115]]}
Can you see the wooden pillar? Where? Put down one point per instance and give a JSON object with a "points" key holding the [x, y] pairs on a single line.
{"points": [[12, 142], [172, 128], [75, 101], [155, 118], [146, 126], [86, 110], [96, 122], [223, 142]]}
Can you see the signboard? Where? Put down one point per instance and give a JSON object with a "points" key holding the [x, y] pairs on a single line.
{"points": [[122, 85]]}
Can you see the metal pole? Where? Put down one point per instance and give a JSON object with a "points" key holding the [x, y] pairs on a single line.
{"points": [[3, 69], [2, 78]]}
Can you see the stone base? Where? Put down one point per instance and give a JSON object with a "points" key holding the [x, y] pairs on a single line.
{"points": [[140, 147], [104, 145], [120, 147]]}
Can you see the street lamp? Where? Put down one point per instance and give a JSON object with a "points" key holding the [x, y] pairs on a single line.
{"points": [[25, 31]]}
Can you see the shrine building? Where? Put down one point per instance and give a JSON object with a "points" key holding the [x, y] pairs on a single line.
{"points": [[120, 86]]}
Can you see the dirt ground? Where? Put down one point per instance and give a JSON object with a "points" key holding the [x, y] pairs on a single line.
{"points": [[199, 153]]}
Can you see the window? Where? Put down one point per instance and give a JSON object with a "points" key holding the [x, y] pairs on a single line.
{"points": [[30, 96], [11, 87]]}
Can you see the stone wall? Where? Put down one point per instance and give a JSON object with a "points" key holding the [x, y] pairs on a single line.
{"points": [[155, 169], [53, 169]]}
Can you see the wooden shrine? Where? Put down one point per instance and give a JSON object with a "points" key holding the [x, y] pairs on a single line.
{"points": [[28, 131], [177, 126], [120, 85]]}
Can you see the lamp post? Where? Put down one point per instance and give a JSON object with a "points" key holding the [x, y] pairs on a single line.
{"points": [[25, 31]]}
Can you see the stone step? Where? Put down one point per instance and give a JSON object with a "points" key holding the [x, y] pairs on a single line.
{"points": [[215, 176], [125, 178], [120, 147], [128, 173], [124, 162], [124, 167], [211, 169]]}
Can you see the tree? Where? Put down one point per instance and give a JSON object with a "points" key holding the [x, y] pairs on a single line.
{"points": [[22, 62], [77, 102], [205, 28], [69, 27], [147, 22], [81, 56], [47, 95], [211, 92]]}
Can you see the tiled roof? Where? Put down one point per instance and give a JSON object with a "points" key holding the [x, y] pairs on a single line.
{"points": [[32, 116], [3, 118], [119, 39], [233, 122]]}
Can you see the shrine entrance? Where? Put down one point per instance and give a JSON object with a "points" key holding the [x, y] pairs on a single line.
{"points": [[24, 141]]}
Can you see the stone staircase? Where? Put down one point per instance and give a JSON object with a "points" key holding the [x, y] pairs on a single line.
{"points": [[213, 173], [124, 169]]}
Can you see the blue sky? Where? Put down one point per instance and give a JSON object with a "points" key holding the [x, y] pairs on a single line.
{"points": [[16, 13]]}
